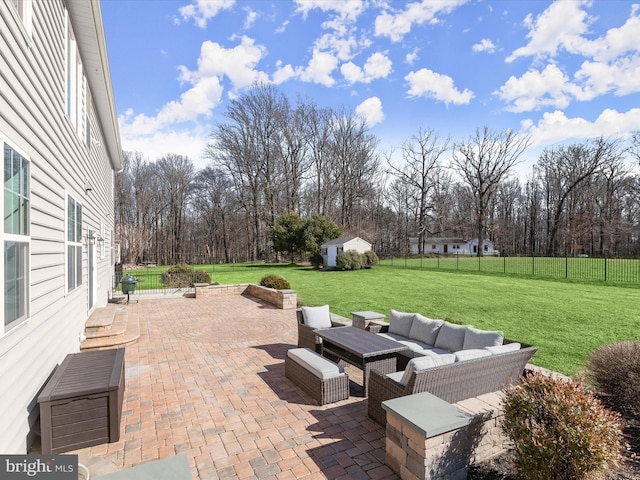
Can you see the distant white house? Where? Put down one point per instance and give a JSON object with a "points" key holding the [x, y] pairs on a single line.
{"points": [[59, 135], [452, 246], [330, 250]]}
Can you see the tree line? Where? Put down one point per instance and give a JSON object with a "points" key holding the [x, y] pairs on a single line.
{"points": [[272, 156]]}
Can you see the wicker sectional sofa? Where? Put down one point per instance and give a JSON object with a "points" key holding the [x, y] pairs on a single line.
{"points": [[453, 362]]}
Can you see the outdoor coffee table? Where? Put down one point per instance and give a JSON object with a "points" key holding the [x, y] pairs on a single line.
{"points": [[363, 349]]}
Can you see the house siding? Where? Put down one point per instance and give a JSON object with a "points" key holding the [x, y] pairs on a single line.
{"points": [[33, 120]]}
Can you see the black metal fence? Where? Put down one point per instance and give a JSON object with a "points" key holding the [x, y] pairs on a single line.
{"points": [[575, 268]]}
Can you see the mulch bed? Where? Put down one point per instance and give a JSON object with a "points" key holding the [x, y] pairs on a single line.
{"points": [[502, 467]]}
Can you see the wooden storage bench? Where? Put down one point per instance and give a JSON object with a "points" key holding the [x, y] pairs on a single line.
{"points": [[81, 405]]}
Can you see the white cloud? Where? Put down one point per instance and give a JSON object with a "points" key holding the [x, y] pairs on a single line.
{"points": [[620, 77], [537, 89], [190, 143], [347, 9], [556, 126], [377, 66], [318, 70], [411, 57], [371, 111], [560, 25], [426, 83], [252, 16], [485, 45], [202, 10], [237, 63], [397, 24]]}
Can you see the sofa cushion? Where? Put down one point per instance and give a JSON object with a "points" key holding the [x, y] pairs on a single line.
{"points": [[414, 345], [425, 329], [400, 323], [507, 347], [471, 354], [474, 338], [442, 357], [316, 317], [320, 366], [416, 364], [450, 337]]}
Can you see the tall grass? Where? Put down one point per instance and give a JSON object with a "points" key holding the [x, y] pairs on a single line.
{"points": [[566, 320]]}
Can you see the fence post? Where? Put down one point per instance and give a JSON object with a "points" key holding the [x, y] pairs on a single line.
{"points": [[605, 269], [566, 266], [533, 265], [504, 264]]}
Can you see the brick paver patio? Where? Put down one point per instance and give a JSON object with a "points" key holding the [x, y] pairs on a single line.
{"points": [[206, 378]]}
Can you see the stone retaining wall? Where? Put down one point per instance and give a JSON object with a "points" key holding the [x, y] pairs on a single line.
{"points": [[283, 299]]}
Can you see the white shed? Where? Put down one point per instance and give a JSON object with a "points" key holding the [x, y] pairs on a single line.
{"points": [[452, 246], [330, 250], [59, 134]]}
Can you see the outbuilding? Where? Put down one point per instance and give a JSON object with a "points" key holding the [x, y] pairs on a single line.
{"points": [[330, 250], [452, 246]]}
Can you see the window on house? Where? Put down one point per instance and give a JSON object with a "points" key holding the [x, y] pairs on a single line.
{"points": [[433, 247], [485, 247], [324, 252], [24, 10], [78, 100], [16, 237], [74, 243]]}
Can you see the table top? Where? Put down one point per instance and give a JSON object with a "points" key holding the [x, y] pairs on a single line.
{"points": [[360, 342], [369, 315]]}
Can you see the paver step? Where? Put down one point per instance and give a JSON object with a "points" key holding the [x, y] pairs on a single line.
{"points": [[117, 327], [129, 336], [100, 320]]}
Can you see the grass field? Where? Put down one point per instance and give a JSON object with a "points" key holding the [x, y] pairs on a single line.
{"points": [[565, 319]]}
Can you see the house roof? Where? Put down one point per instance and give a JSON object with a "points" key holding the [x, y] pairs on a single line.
{"points": [[86, 19], [342, 241]]}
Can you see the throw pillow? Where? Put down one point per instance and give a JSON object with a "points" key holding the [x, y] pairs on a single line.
{"points": [[414, 365], [507, 347], [317, 317], [400, 323], [450, 337], [475, 338], [425, 329]]}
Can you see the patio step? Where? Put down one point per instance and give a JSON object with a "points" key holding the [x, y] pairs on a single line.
{"points": [[110, 327]]}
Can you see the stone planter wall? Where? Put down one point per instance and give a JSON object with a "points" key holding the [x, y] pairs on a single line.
{"points": [[441, 446], [284, 299]]}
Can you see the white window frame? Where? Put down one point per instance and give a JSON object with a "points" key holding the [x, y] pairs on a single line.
{"points": [[77, 94], [73, 246], [23, 11], [102, 242], [24, 240]]}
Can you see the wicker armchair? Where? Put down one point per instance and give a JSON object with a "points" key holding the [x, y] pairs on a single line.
{"points": [[306, 335], [452, 382]]}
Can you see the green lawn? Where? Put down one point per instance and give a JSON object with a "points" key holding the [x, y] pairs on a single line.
{"points": [[566, 320]]}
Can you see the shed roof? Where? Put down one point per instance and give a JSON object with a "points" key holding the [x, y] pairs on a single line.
{"points": [[342, 241]]}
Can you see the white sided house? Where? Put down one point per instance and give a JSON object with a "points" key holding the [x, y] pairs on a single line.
{"points": [[61, 146], [330, 250], [452, 246]]}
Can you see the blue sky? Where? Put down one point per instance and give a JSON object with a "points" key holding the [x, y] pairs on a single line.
{"points": [[560, 71]]}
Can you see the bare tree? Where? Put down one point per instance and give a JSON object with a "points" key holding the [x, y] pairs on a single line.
{"points": [[177, 173], [563, 170], [421, 155], [483, 161], [354, 163]]}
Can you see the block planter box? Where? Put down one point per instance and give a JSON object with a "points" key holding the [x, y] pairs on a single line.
{"points": [[81, 405]]}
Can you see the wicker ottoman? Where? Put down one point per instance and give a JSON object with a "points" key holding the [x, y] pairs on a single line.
{"points": [[324, 380]]}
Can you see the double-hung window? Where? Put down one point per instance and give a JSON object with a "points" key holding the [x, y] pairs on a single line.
{"points": [[24, 11], [16, 240], [74, 243]]}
